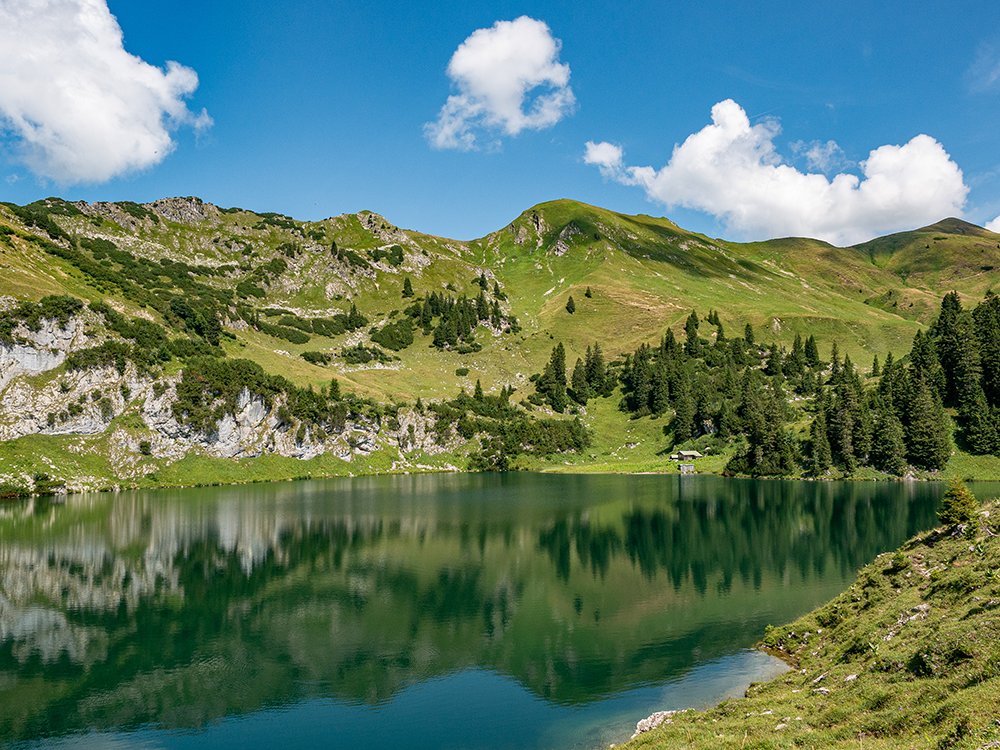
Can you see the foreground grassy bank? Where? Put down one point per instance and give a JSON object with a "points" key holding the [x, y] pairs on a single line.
{"points": [[907, 657]]}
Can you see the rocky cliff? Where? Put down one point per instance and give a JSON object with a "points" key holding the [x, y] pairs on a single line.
{"points": [[135, 411]]}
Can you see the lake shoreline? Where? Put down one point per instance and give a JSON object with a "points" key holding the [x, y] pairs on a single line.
{"points": [[855, 647], [567, 471]]}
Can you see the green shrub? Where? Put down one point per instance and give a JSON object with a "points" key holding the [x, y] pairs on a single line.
{"points": [[317, 358], [395, 336], [393, 256], [959, 506]]}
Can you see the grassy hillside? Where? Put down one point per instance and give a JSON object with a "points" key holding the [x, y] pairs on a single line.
{"points": [[644, 273], [271, 281], [906, 657]]}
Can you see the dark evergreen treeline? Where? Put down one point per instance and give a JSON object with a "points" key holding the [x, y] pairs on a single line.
{"points": [[590, 379], [790, 411], [730, 389], [458, 318]]}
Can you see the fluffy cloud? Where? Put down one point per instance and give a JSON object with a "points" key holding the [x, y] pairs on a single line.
{"points": [[731, 170], [607, 157], [78, 107], [495, 72], [994, 226]]}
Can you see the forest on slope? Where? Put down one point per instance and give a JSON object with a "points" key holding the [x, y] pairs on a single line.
{"points": [[174, 338]]}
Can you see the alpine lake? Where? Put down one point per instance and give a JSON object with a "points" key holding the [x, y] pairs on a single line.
{"points": [[424, 611]]}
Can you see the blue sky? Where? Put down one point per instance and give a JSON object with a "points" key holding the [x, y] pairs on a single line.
{"points": [[314, 109]]}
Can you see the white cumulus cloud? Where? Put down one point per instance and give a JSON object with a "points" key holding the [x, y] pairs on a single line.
{"points": [[994, 226], [75, 104], [496, 72], [731, 170], [607, 157]]}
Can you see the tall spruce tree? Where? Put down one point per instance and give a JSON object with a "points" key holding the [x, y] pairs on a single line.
{"points": [[596, 371], [684, 408], [889, 446], [987, 322], [773, 365], [928, 442], [660, 395], [692, 343], [812, 352], [578, 382], [822, 456], [947, 334], [552, 383]]}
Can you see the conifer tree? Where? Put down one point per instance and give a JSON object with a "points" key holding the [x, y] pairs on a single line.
{"points": [[684, 410], [578, 382], [835, 367], [570, 305], [812, 352], [692, 344], [748, 336], [478, 393], [730, 387], [978, 423], [639, 381], [928, 444], [889, 447], [876, 372], [959, 506], [796, 360], [496, 318], [552, 383], [588, 294], [924, 363], [841, 415], [737, 352], [407, 287], [822, 458], [987, 325], [596, 371], [773, 365], [660, 389], [726, 420], [947, 335]]}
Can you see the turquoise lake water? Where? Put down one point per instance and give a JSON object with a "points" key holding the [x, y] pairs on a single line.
{"points": [[436, 611]]}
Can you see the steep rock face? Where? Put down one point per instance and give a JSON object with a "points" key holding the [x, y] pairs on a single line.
{"points": [[133, 409], [47, 349]]}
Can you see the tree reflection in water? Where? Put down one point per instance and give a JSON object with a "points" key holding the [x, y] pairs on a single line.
{"points": [[178, 608]]}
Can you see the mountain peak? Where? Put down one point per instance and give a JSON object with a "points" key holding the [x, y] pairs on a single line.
{"points": [[952, 225]]}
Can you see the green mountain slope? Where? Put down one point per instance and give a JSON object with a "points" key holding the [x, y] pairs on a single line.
{"points": [[396, 315], [644, 273]]}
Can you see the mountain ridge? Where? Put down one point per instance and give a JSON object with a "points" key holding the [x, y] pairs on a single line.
{"points": [[357, 299]]}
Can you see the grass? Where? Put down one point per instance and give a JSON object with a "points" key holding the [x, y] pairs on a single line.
{"points": [[645, 274], [908, 656]]}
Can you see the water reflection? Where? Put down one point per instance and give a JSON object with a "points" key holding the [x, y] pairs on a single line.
{"points": [[177, 608]]}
